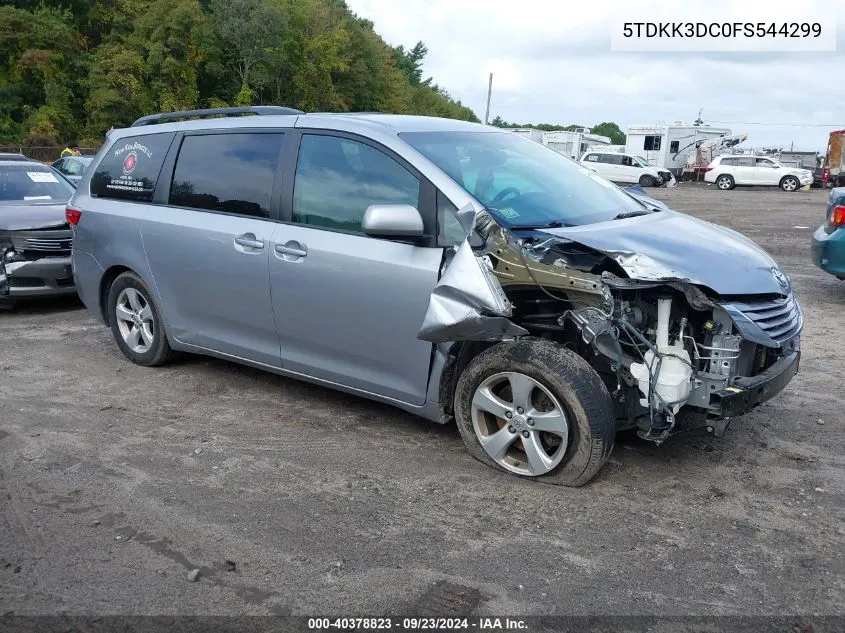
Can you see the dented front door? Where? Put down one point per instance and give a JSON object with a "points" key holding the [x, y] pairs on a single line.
{"points": [[348, 309], [347, 306]]}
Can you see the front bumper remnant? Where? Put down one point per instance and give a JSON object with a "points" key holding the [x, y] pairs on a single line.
{"points": [[747, 393], [48, 276]]}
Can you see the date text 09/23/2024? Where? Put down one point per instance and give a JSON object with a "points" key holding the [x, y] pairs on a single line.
{"points": [[418, 624]]}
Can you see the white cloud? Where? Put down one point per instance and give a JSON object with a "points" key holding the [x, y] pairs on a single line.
{"points": [[552, 63]]}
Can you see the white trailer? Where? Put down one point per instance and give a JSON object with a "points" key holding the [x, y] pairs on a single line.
{"points": [[574, 143], [529, 132], [669, 146]]}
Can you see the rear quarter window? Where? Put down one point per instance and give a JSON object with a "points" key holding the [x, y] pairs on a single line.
{"points": [[130, 168]]}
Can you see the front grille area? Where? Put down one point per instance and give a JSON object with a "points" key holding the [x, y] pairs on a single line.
{"points": [[42, 242], [779, 319]]}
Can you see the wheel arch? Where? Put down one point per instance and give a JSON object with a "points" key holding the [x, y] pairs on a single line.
{"points": [[106, 281], [459, 356], [724, 174]]}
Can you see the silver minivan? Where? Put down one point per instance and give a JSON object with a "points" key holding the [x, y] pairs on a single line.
{"points": [[451, 269]]}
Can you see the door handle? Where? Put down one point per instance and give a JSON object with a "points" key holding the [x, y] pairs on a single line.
{"points": [[248, 240], [291, 248]]}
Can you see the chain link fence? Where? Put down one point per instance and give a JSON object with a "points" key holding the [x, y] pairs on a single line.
{"points": [[43, 154]]}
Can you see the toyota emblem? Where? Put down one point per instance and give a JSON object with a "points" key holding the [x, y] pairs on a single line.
{"points": [[780, 277]]}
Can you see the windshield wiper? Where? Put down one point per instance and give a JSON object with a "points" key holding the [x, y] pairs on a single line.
{"points": [[632, 214], [554, 224]]}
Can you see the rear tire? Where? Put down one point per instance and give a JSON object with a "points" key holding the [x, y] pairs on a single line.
{"points": [[136, 322], [725, 182], [564, 394], [647, 181], [790, 183]]}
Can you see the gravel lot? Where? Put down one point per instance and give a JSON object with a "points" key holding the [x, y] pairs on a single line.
{"points": [[118, 480]]}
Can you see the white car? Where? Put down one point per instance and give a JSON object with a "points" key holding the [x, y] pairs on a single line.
{"points": [[729, 171], [627, 168]]}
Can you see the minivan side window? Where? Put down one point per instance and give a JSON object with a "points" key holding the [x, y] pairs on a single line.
{"points": [[228, 173], [130, 168], [338, 178], [611, 159]]}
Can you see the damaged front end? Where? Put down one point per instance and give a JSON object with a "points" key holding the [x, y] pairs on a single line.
{"points": [[673, 352]]}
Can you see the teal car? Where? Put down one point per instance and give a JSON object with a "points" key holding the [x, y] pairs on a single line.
{"points": [[829, 239]]}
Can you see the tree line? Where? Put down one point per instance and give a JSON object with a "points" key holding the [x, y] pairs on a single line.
{"points": [[607, 128], [75, 68]]}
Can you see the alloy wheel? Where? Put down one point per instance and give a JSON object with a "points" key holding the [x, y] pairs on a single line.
{"points": [[519, 423], [135, 320]]}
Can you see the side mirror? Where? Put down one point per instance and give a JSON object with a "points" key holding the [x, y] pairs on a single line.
{"points": [[397, 221]]}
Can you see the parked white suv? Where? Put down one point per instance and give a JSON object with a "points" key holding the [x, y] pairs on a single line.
{"points": [[626, 168], [729, 171]]}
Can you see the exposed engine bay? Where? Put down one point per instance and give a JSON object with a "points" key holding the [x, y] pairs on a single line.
{"points": [[661, 343]]}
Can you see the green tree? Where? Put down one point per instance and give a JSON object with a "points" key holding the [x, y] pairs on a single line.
{"points": [[117, 88], [410, 62], [174, 38], [36, 49], [611, 130], [75, 68], [250, 29]]}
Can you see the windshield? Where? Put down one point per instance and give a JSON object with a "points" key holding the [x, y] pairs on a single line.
{"points": [[523, 183], [646, 162], [32, 183]]}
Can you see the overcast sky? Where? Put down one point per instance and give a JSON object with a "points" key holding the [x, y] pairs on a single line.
{"points": [[552, 63]]}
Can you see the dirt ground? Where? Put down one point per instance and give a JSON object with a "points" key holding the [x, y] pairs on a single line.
{"points": [[116, 481]]}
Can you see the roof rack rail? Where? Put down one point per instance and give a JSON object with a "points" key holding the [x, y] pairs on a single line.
{"points": [[184, 114]]}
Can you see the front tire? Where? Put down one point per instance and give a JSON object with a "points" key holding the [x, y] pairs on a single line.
{"points": [[790, 183], [136, 322], [647, 181], [535, 409], [725, 182]]}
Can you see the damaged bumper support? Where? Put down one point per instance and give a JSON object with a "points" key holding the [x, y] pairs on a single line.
{"points": [[747, 393], [48, 276]]}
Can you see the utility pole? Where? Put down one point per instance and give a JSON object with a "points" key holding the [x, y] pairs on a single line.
{"points": [[489, 93]]}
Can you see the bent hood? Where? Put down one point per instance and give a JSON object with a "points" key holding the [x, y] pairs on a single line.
{"points": [[667, 245], [23, 217]]}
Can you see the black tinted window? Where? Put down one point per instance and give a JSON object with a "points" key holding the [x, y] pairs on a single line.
{"points": [[728, 161], [338, 178], [233, 173], [745, 161], [130, 168], [652, 142]]}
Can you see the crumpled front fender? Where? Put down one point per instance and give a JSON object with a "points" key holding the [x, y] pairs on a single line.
{"points": [[468, 303]]}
